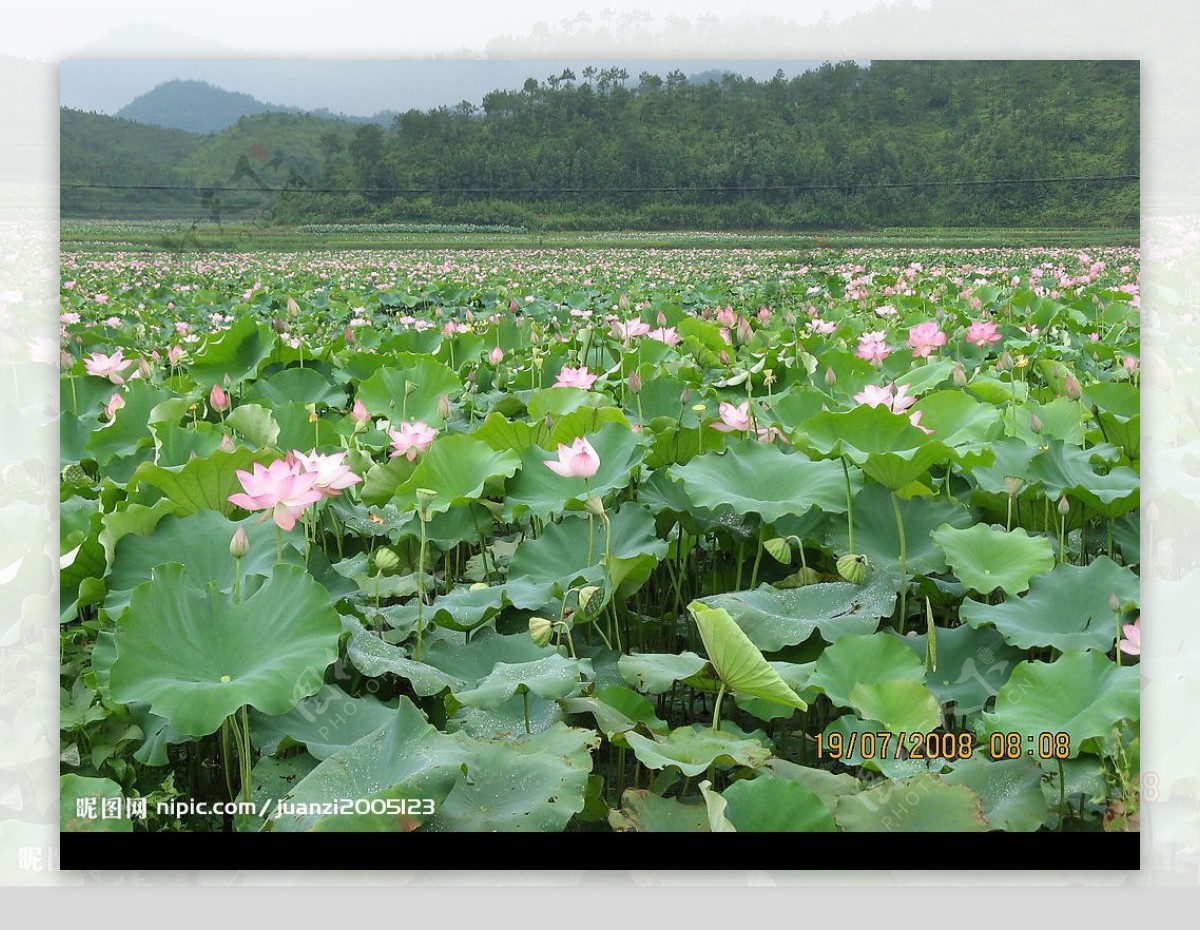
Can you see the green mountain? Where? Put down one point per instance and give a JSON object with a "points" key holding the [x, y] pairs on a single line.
{"points": [[195, 106]]}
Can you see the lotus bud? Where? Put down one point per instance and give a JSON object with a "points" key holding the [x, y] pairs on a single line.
{"points": [[830, 377], [1064, 505], [853, 567], [1013, 485], [684, 396], [1071, 386], [662, 318], [1114, 603], [635, 383], [724, 357], [239, 545], [769, 377], [386, 560], [278, 325], [348, 335], [496, 356], [227, 443], [744, 333], [1004, 362], [444, 406], [540, 631], [218, 399], [292, 307], [1035, 423], [144, 368], [959, 376], [591, 599], [594, 506]]}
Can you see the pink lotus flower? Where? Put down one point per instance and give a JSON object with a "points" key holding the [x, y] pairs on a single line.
{"points": [[1131, 644], [412, 439], [496, 356], [983, 333], [115, 403], [896, 399], [821, 327], [174, 354], [629, 330], [1131, 363], [733, 419], [359, 412], [664, 334], [770, 434], [915, 420], [332, 475], [578, 460], [218, 398], [280, 488], [924, 338], [107, 366], [873, 347], [576, 378]]}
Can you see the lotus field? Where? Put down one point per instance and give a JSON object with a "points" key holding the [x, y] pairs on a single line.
{"points": [[595, 540]]}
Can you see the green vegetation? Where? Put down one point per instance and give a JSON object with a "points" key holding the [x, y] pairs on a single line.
{"points": [[896, 144]]}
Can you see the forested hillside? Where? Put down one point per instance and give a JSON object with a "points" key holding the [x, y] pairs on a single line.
{"points": [[892, 144]]}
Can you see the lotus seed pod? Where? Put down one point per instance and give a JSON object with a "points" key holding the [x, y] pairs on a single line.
{"points": [[540, 631], [386, 560], [425, 498], [853, 567], [239, 545], [1013, 485], [590, 599], [780, 550], [74, 476]]}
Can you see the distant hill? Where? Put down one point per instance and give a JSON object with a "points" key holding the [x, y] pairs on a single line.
{"points": [[197, 106]]}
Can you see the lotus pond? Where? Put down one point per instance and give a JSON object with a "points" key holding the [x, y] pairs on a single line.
{"points": [[598, 540]]}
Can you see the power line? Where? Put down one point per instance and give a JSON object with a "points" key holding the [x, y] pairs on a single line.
{"points": [[844, 187]]}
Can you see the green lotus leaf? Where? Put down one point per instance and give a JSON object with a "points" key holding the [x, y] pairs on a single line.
{"points": [[1067, 608], [1064, 469], [86, 561], [715, 805], [581, 423], [504, 435], [1083, 694], [924, 378], [1118, 411], [538, 490], [551, 678], [134, 519], [737, 660], [774, 618], [644, 812], [295, 385], [866, 659], [324, 723], [957, 419], [986, 558], [924, 804], [175, 445], [196, 657], [407, 751], [694, 748], [1012, 458], [760, 478], [202, 484], [424, 381], [272, 779], [255, 424], [617, 710], [900, 704], [1012, 791], [233, 354], [464, 608], [130, 428], [654, 673], [876, 535], [533, 783], [381, 480], [374, 657], [505, 719], [81, 788], [972, 665], [882, 748], [456, 468], [298, 431], [776, 805], [824, 784], [203, 539], [560, 401]]}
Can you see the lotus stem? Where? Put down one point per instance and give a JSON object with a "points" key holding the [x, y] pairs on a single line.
{"points": [[903, 562], [758, 557], [716, 724], [423, 515], [849, 504], [525, 697]]}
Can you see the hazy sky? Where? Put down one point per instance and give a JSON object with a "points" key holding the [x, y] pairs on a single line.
{"points": [[356, 88]]}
